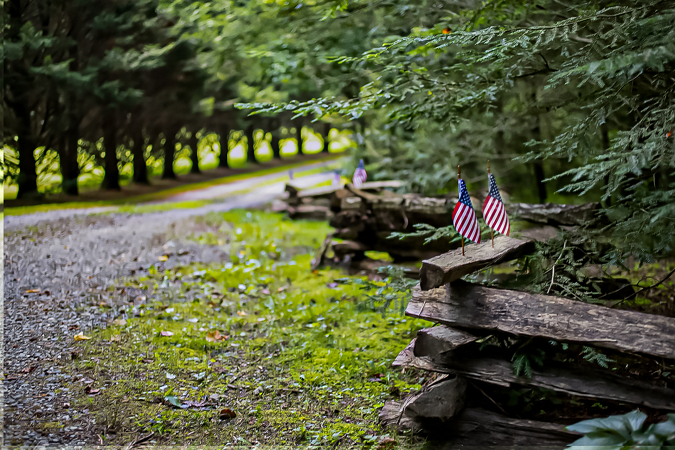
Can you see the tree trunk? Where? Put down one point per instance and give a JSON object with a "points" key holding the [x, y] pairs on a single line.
{"points": [[111, 179], [70, 168], [276, 144], [605, 146], [250, 142], [326, 141], [27, 179], [138, 151], [539, 178], [169, 154], [538, 165], [298, 138], [224, 147], [193, 142]]}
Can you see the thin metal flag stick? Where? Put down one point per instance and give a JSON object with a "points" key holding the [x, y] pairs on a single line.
{"points": [[459, 176]]}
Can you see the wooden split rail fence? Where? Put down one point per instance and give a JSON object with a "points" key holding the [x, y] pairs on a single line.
{"points": [[365, 219], [466, 313]]}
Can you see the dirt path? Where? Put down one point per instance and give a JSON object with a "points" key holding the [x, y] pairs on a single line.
{"points": [[58, 270]]}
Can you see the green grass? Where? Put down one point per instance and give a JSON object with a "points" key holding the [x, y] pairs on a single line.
{"points": [[129, 204], [305, 362]]}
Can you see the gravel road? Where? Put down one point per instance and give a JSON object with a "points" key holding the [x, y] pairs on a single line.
{"points": [[58, 267]]}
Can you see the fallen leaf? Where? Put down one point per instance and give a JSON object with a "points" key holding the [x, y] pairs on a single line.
{"points": [[91, 391], [166, 333], [227, 413], [173, 400], [386, 443], [214, 336], [266, 291], [81, 337], [162, 258], [32, 291], [73, 327], [241, 313]]}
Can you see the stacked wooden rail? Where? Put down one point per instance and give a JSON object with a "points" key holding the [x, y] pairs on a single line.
{"points": [[466, 313], [365, 218]]}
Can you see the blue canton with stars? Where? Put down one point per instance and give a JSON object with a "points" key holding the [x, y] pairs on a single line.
{"points": [[464, 194], [494, 192]]}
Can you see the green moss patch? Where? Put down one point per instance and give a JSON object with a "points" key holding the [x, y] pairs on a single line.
{"points": [[258, 349]]}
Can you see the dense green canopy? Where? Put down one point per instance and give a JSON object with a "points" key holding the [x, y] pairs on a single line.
{"points": [[579, 94]]}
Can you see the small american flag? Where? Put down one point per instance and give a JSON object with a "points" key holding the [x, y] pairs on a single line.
{"points": [[493, 209], [464, 217], [360, 175], [337, 178]]}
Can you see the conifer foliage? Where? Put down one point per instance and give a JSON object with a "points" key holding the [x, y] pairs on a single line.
{"points": [[577, 96]]}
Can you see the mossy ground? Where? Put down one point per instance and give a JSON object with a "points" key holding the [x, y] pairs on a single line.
{"points": [[301, 359]]}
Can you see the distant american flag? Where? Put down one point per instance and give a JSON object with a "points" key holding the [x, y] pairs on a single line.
{"points": [[337, 179], [360, 175], [493, 209], [464, 217]]}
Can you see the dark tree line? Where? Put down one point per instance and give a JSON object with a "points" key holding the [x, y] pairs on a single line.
{"points": [[100, 78]]}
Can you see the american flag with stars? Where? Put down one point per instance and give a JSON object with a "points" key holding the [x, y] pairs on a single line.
{"points": [[360, 175], [464, 217], [493, 209]]}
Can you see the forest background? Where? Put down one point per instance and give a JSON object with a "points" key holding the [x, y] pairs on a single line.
{"points": [[571, 101]]}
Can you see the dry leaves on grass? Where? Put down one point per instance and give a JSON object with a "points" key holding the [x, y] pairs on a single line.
{"points": [[214, 336], [227, 413], [81, 337]]}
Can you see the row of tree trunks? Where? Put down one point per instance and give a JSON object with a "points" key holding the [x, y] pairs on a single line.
{"points": [[67, 148]]}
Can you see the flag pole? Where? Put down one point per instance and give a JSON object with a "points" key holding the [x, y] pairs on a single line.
{"points": [[492, 233], [459, 176]]}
